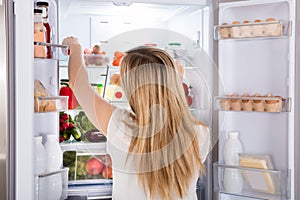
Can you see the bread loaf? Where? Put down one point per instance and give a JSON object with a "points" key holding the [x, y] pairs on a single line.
{"points": [[42, 105]]}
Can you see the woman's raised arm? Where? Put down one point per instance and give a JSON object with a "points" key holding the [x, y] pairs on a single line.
{"points": [[96, 108]]}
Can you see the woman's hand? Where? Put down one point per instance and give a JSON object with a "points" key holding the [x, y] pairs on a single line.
{"points": [[72, 42]]}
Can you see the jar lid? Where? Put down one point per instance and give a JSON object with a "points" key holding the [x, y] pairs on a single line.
{"points": [[100, 85], [42, 3], [38, 10]]}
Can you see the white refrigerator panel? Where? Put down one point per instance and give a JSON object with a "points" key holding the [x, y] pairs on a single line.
{"points": [[264, 66]]}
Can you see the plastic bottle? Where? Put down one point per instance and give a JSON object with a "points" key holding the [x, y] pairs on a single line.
{"points": [[233, 179], [54, 162], [54, 154], [40, 166], [40, 156]]}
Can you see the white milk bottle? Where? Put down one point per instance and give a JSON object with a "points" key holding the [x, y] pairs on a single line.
{"points": [[54, 163], [39, 167], [40, 155], [233, 180]]}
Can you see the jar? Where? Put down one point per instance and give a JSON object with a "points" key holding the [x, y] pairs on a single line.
{"points": [[44, 6], [100, 89], [39, 34]]}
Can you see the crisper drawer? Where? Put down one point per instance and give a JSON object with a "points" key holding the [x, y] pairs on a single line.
{"points": [[88, 164], [82, 192]]}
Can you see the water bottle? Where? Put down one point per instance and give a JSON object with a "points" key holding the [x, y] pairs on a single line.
{"points": [[40, 156], [233, 180], [54, 162], [39, 166], [54, 154]]}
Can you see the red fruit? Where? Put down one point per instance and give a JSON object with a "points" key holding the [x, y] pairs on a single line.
{"points": [[185, 88], [87, 51], [71, 125], [61, 139], [65, 116], [107, 172], [65, 126], [189, 100], [67, 91], [94, 166]]}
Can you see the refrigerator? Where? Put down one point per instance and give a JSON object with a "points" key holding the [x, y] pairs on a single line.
{"points": [[222, 63]]}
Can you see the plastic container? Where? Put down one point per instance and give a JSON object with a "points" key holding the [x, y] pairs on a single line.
{"points": [[54, 154], [100, 89], [233, 179]]}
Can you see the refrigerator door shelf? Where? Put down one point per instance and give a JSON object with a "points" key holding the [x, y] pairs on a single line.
{"points": [[60, 52], [253, 104], [47, 180], [51, 104], [253, 30], [256, 183]]}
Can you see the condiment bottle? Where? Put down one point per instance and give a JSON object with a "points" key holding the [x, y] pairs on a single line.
{"points": [[233, 179], [44, 6], [39, 34]]}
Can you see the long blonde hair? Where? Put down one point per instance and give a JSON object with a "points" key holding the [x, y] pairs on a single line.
{"points": [[165, 135]]}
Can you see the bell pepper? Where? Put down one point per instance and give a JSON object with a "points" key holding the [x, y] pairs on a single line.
{"points": [[65, 90]]}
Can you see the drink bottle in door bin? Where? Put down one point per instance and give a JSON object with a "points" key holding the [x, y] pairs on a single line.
{"points": [[44, 6], [233, 180]]}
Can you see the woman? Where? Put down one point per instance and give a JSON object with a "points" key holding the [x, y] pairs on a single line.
{"points": [[157, 147]]}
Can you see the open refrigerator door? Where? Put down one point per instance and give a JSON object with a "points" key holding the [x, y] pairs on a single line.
{"points": [[255, 98]]}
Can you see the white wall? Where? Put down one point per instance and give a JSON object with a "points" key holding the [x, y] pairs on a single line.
{"points": [[75, 25]]}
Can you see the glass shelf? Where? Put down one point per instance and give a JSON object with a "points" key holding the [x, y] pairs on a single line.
{"points": [[49, 179], [59, 52], [256, 183], [253, 30], [252, 104], [79, 146], [51, 104]]}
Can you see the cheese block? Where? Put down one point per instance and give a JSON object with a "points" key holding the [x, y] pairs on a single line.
{"points": [[258, 180]]}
